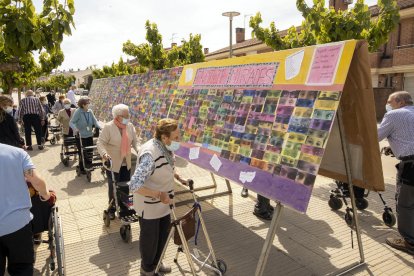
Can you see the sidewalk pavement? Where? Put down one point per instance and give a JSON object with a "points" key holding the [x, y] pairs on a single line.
{"points": [[317, 243]]}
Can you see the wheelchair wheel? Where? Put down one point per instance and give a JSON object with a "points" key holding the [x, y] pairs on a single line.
{"points": [[125, 232], [221, 265], [57, 248], [53, 141], [106, 219], [388, 217], [335, 203], [89, 176], [361, 203]]}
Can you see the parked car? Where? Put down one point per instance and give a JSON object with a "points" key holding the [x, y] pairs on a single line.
{"points": [[85, 92]]}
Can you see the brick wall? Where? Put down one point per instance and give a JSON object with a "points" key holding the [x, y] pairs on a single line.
{"points": [[407, 31], [380, 98]]}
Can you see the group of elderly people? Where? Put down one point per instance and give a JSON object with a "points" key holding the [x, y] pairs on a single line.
{"points": [[153, 180]]}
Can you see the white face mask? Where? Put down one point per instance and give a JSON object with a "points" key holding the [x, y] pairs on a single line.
{"points": [[174, 146], [67, 106], [125, 121], [8, 109], [388, 107]]}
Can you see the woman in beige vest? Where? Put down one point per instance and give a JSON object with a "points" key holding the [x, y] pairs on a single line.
{"points": [[64, 116], [152, 183], [115, 142]]}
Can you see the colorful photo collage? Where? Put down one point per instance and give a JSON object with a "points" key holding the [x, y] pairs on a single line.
{"points": [[281, 132], [149, 98], [98, 95]]}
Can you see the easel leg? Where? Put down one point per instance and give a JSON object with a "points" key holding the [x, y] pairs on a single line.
{"points": [[347, 162], [269, 240]]}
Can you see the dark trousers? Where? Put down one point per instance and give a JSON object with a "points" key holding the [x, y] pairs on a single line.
{"points": [[152, 239], [405, 201], [29, 121], [123, 175], [45, 130], [17, 248], [86, 142]]}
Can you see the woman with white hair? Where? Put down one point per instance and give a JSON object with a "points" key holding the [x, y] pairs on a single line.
{"points": [[115, 143]]}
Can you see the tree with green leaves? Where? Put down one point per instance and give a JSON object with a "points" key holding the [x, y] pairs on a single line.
{"points": [[324, 25], [153, 56], [117, 69], [56, 82], [23, 31]]}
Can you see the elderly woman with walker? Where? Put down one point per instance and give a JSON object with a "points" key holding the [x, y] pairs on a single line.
{"points": [[114, 143], [152, 185]]}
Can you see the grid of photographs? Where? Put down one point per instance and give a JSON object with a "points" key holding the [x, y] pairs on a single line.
{"points": [[149, 98], [281, 132]]}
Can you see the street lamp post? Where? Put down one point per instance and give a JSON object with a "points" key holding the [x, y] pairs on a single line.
{"points": [[230, 15]]}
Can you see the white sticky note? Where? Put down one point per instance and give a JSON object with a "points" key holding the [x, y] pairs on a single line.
{"points": [[247, 176], [194, 153], [215, 163], [188, 74], [293, 64]]}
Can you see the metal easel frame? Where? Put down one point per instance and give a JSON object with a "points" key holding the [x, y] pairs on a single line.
{"points": [[202, 198], [279, 208]]}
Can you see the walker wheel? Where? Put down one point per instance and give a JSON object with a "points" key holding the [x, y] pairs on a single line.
{"points": [[53, 141], [361, 203], [107, 220], [65, 161], [221, 265], [388, 217], [88, 176], [335, 203], [52, 266], [125, 232], [349, 217]]}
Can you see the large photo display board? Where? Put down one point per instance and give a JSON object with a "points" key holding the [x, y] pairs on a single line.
{"points": [[262, 121]]}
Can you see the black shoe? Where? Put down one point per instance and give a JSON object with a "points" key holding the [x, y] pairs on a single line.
{"points": [[244, 192], [40, 147], [262, 214], [83, 172], [29, 148], [271, 208]]}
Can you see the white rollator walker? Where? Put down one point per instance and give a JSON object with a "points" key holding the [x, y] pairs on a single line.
{"points": [[183, 229], [89, 153], [123, 202]]}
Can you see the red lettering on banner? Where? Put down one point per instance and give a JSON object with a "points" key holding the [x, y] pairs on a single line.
{"points": [[249, 75]]}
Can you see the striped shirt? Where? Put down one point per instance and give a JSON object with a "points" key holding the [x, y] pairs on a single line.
{"points": [[398, 126], [30, 105]]}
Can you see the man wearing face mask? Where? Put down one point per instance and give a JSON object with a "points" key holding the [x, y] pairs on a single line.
{"points": [[152, 183], [398, 127], [46, 108], [114, 143], [9, 133]]}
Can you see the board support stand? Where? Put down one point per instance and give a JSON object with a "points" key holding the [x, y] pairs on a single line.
{"points": [[279, 208]]}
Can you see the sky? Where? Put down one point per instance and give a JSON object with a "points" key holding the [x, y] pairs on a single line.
{"points": [[102, 26]]}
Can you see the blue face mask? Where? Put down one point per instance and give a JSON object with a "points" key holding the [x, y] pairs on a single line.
{"points": [[125, 121], [174, 146], [388, 107]]}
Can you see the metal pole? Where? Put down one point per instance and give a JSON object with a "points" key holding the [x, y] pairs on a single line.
{"points": [[269, 240], [231, 39], [345, 151]]}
